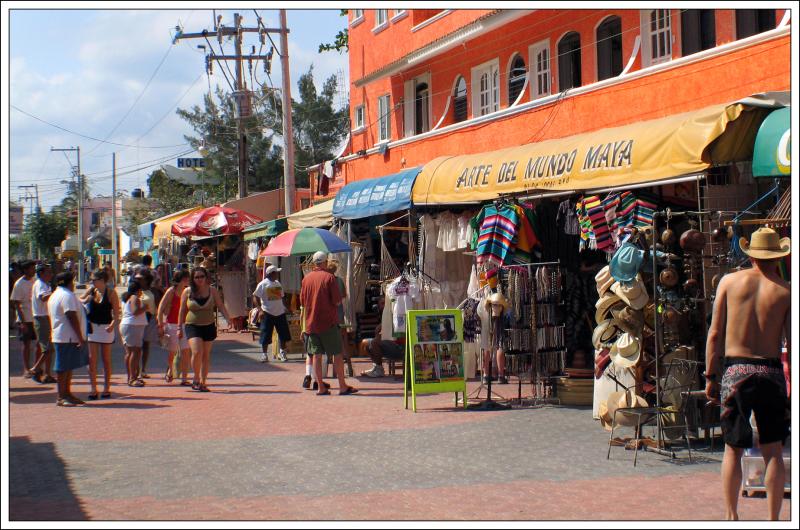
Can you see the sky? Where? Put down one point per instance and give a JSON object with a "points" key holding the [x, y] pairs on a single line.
{"points": [[83, 71]]}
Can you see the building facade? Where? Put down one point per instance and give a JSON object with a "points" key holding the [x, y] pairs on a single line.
{"points": [[427, 83]]}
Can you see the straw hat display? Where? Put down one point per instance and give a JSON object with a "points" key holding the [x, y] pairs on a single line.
{"points": [[605, 419], [497, 299], [629, 320], [604, 280], [765, 243], [604, 333], [629, 399], [634, 294], [604, 305], [626, 351]]}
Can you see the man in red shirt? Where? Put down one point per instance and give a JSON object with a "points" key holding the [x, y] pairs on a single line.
{"points": [[320, 296]]}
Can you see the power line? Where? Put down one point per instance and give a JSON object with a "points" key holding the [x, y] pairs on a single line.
{"points": [[90, 137], [146, 86]]}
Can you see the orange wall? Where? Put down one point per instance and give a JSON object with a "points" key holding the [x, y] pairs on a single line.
{"points": [[668, 92]]}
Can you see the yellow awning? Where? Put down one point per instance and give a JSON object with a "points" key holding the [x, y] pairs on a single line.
{"points": [[646, 151], [163, 225], [320, 214]]}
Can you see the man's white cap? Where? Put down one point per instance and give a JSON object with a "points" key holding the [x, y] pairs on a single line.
{"points": [[319, 257], [272, 268]]}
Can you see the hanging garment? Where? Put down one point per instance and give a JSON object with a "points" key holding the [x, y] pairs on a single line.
{"points": [[585, 223], [526, 238], [402, 294], [252, 250], [496, 241], [463, 231], [627, 205], [447, 237], [472, 322], [610, 205], [597, 216], [568, 218], [643, 214]]}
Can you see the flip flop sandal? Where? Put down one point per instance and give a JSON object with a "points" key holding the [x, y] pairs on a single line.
{"points": [[168, 378], [50, 379], [186, 383], [325, 392], [65, 403], [203, 388], [93, 397], [105, 395], [136, 382], [349, 390], [195, 386]]}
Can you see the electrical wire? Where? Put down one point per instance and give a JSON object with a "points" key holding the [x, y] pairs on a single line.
{"points": [[146, 86], [87, 136]]}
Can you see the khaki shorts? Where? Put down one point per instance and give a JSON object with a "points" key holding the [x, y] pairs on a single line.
{"points": [[329, 341]]}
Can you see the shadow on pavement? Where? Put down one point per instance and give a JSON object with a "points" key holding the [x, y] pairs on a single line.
{"points": [[39, 488]]}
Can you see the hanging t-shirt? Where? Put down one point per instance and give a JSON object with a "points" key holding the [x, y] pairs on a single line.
{"points": [[402, 294]]}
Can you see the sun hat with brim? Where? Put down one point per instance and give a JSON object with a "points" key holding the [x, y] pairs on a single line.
{"points": [[605, 419], [629, 400], [626, 263], [604, 333], [604, 305], [604, 280], [626, 351], [497, 299], [629, 320], [765, 243], [633, 294], [612, 402]]}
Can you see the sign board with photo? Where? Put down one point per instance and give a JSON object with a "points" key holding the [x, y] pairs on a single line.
{"points": [[434, 361]]}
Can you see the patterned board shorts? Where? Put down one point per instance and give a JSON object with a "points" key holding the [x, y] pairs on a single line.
{"points": [[753, 386]]}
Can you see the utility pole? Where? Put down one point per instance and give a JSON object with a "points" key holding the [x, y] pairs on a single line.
{"points": [[288, 134], [81, 241], [114, 246], [237, 31], [28, 197]]}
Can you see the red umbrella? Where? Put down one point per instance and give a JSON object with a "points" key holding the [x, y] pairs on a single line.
{"points": [[214, 220]]}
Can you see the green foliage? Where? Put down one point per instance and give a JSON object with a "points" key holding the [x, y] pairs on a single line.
{"points": [[46, 231], [18, 246], [138, 213], [68, 207], [318, 130], [340, 41], [168, 196]]}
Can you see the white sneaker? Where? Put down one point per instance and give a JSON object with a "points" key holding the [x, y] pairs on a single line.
{"points": [[377, 371], [263, 357], [282, 355]]}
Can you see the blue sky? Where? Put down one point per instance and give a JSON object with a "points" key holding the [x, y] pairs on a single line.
{"points": [[83, 70]]}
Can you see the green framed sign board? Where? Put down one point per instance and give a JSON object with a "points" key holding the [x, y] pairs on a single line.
{"points": [[434, 358]]}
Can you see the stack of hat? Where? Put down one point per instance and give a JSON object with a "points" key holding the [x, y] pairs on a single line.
{"points": [[620, 400], [618, 337]]}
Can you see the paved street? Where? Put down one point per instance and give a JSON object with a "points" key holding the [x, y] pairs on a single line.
{"points": [[259, 447]]}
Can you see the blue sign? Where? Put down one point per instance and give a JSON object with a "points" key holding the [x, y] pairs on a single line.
{"points": [[190, 163]]}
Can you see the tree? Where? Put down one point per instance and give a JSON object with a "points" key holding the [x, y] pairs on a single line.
{"points": [[216, 128], [340, 41], [46, 230], [318, 130], [141, 212], [68, 207], [167, 195]]}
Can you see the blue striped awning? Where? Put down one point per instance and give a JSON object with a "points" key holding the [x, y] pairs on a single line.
{"points": [[382, 195]]}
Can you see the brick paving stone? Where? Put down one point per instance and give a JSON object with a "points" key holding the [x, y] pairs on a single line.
{"points": [[260, 447]]}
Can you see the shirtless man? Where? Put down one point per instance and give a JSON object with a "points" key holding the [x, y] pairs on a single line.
{"points": [[751, 318]]}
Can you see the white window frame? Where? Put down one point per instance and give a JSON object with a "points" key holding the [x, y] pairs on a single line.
{"points": [[647, 35], [533, 52], [399, 14], [359, 121], [358, 17], [492, 70], [380, 26], [410, 104], [384, 118]]}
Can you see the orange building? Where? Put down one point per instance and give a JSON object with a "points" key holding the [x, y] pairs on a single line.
{"points": [[428, 83]]}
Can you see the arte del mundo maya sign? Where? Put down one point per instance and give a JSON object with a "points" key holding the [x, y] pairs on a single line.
{"points": [[648, 151]]}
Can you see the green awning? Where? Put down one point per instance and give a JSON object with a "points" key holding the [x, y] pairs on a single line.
{"points": [[266, 229], [772, 150]]}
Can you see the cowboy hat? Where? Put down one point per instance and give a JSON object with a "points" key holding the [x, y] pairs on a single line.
{"points": [[628, 400], [629, 320], [604, 280], [612, 402], [626, 351], [626, 262], [634, 294], [604, 304], [497, 299], [604, 333], [765, 243], [605, 419]]}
